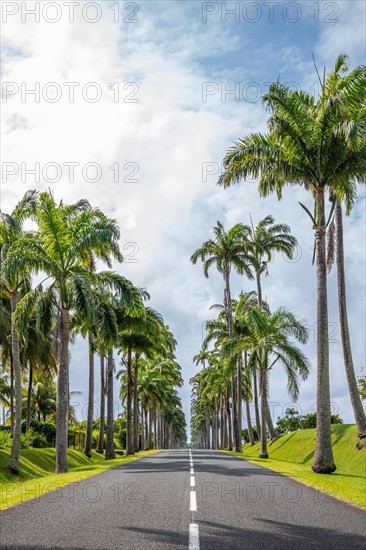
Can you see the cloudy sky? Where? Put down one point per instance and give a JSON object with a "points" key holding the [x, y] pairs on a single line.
{"points": [[133, 105]]}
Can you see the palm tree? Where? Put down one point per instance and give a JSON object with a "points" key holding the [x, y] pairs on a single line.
{"points": [[15, 281], [202, 357], [37, 354], [109, 249], [111, 312], [271, 335], [151, 388], [358, 410], [149, 340], [308, 144], [100, 445], [246, 301], [226, 251], [351, 90], [263, 240], [42, 398]]}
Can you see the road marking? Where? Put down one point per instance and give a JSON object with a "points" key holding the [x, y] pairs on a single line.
{"points": [[193, 502], [193, 483], [192, 471], [194, 539], [191, 464]]}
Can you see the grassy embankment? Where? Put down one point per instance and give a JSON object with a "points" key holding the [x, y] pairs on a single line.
{"points": [[292, 455], [37, 472]]}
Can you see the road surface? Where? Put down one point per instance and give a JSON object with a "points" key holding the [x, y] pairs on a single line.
{"points": [[184, 499]]}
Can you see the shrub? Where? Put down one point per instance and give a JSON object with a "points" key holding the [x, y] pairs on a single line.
{"points": [[5, 439], [45, 429], [24, 441], [36, 440]]}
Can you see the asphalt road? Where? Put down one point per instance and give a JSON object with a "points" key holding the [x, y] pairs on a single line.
{"points": [[177, 499]]}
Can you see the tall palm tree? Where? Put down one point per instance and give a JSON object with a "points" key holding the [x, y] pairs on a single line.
{"points": [[226, 251], [37, 355], [358, 410], [263, 240], [307, 145], [15, 281], [100, 445], [108, 250], [350, 89], [150, 342], [270, 336]]}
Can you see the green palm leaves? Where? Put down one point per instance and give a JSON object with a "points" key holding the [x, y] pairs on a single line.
{"points": [[227, 250]]}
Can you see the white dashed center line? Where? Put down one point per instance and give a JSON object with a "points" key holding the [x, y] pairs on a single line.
{"points": [[194, 540]]}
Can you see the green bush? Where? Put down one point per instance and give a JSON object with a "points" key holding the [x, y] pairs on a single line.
{"points": [[36, 440], [5, 439], [24, 441], [45, 429]]}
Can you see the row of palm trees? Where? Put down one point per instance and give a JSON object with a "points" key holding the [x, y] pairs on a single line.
{"points": [[248, 339], [157, 418], [320, 144], [63, 252]]}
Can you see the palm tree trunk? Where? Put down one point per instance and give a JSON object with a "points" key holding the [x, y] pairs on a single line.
{"points": [[29, 397], [159, 440], [229, 423], [142, 427], [235, 412], [214, 428], [249, 423], [208, 428], [323, 458], [247, 403], [100, 446], [11, 394], [218, 422], [145, 444], [358, 411], [256, 404], [155, 430], [129, 433], [259, 288], [109, 445], [150, 425], [15, 448], [89, 421], [62, 395], [136, 427], [263, 389], [272, 431], [229, 316], [224, 423], [240, 401]]}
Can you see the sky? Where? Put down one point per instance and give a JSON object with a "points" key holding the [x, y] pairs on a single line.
{"points": [[133, 106]]}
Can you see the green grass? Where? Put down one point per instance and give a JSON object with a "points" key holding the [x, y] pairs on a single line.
{"points": [[37, 475], [292, 455]]}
